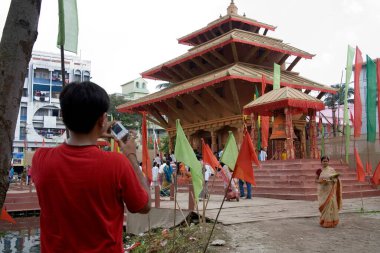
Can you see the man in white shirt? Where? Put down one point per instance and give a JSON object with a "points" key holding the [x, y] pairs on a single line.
{"points": [[207, 173], [157, 159], [155, 174], [263, 154]]}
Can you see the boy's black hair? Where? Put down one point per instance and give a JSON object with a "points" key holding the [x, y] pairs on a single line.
{"points": [[82, 104]]}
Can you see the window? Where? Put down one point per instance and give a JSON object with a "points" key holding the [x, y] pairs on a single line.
{"points": [[22, 133], [23, 113], [137, 85], [42, 74], [86, 76], [144, 85], [25, 92]]}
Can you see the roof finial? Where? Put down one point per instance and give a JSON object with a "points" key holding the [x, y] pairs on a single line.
{"points": [[232, 9]]}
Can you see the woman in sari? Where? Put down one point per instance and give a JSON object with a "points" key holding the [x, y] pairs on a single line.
{"points": [[329, 194]]}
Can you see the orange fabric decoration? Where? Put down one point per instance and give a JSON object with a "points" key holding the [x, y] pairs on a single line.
{"points": [[146, 163], [208, 156], [376, 175], [6, 217], [360, 176], [243, 168]]}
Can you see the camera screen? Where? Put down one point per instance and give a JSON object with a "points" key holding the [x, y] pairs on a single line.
{"points": [[116, 129]]}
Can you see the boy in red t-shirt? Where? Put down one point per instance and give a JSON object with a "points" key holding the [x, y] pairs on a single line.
{"points": [[81, 189]]}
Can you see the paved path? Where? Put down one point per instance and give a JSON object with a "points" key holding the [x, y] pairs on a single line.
{"points": [[259, 209]]}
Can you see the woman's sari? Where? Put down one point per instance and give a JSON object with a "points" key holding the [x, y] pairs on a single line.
{"points": [[329, 198]]}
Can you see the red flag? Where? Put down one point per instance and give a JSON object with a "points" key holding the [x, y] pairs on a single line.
{"points": [[376, 175], [328, 129], [264, 131], [5, 216], [320, 124], [351, 118], [208, 157], [263, 84], [243, 167], [43, 142], [368, 168], [357, 102], [360, 176], [378, 90], [146, 163]]}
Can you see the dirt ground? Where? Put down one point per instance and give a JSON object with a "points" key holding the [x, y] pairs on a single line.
{"points": [[356, 232]]}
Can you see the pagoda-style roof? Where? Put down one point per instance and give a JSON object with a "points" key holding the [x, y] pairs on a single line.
{"points": [[245, 72], [232, 47], [223, 25], [280, 99]]}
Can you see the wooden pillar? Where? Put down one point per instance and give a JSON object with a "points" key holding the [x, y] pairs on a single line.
{"points": [[254, 133], [303, 143], [191, 197], [313, 136], [289, 145], [171, 146], [157, 196], [214, 147]]}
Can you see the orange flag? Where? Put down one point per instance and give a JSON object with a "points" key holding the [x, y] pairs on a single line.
{"points": [[368, 168], [243, 167], [146, 163], [376, 175], [5, 216], [208, 157], [357, 102], [360, 176], [263, 84]]}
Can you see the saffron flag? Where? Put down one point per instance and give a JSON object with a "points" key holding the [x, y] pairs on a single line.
{"points": [[371, 100], [184, 153], [276, 76], [360, 176], [378, 91], [146, 162], [243, 168], [347, 132], [208, 157], [368, 168], [6, 217], [264, 131], [68, 25], [230, 152], [358, 101], [376, 175]]}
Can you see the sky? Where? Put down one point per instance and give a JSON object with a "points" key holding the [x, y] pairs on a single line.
{"points": [[125, 38]]}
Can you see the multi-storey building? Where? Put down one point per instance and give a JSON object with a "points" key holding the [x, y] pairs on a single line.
{"points": [[39, 122]]}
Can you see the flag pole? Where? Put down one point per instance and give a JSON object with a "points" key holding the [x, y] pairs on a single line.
{"points": [[217, 216], [63, 78], [175, 203]]}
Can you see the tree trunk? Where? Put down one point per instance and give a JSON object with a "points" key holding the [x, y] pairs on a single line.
{"points": [[19, 35]]}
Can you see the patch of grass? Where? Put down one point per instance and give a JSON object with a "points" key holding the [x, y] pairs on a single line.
{"points": [[186, 239]]}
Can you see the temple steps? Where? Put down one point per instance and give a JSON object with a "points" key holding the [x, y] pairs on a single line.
{"points": [[294, 179]]}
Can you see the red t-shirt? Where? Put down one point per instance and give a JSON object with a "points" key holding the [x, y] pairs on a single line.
{"points": [[82, 191]]}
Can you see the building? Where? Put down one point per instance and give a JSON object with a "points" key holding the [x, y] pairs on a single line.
{"points": [[39, 122], [219, 75], [135, 89]]}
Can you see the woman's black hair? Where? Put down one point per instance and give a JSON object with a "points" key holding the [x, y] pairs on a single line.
{"points": [[325, 157]]}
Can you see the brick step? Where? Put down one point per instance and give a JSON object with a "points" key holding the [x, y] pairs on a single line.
{"points": [[292, 172], [295, 196], [299, 166], [21, 201]]}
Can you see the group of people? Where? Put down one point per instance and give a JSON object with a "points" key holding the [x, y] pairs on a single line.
{"points": [[162, 173]]}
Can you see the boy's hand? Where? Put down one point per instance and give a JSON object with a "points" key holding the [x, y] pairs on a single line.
{"points": [[107, 130]]}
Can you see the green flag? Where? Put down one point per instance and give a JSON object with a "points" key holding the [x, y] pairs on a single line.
{"points": [[350, 58], [347, 132], [184, 153], [371, 100], [258, 124], [230, 152], [68, 25], [276, 76]]}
